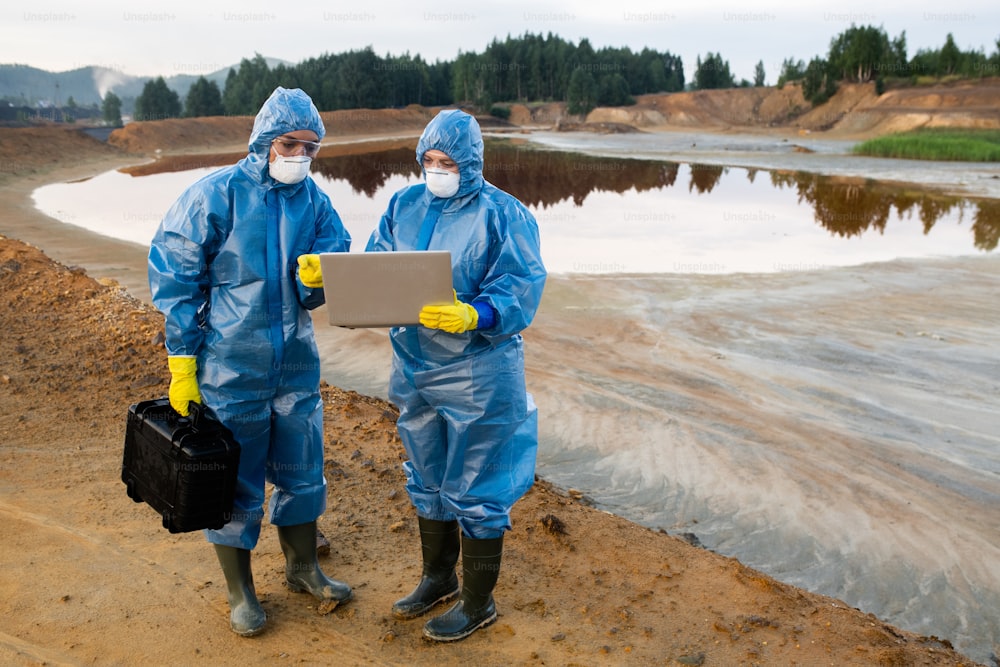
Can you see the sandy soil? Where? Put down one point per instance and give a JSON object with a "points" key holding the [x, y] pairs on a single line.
{"points": [[88, 577], [855, 111]]}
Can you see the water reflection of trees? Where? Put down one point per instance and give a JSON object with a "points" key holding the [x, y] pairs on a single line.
{"points": [[537, 178], [986, 228], [543, 178], [704, 177], [851, 208], [367, 173]]}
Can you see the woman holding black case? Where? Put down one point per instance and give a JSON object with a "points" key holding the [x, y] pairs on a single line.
{"points": [[231, 267]]}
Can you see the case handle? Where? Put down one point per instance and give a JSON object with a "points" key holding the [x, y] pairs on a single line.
{"points": [[196, 413]]}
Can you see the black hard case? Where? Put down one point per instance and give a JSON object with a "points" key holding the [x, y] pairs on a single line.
{"points": [[184, 468]]}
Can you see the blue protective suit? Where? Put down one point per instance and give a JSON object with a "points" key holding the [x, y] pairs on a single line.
{"points": [[223, 270], [469, 426]]}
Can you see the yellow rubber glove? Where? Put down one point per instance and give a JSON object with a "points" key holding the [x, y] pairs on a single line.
{"points": [[309, 271], [453, 318], [183, 383]]}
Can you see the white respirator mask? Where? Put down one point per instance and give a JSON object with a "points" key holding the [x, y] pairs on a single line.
{"points": [[441, 183], [289, 170]]}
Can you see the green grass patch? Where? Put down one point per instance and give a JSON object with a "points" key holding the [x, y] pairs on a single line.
{"points": [[951, 144]]}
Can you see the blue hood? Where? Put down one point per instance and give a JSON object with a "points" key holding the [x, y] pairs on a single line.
{"points": [[286, 110], [457, 135]]}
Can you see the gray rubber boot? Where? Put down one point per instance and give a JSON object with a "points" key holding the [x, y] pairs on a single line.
{"points": [[440, 543], [246, 616], [475, 608], [302, 573]]}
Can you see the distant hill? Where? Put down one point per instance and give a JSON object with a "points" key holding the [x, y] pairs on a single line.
{"points": [[23, 85]]}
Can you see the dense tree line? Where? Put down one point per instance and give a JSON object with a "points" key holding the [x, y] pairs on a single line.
{"points": [[528, 68], [865, 53], [536, 68], [950, 60], [349, 80], [533, 68], [523, 69]]}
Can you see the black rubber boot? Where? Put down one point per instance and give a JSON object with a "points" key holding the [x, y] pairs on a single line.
{"points": [[475, 608], [302, 573], [246, 616], [439, 544], [322, 544]]}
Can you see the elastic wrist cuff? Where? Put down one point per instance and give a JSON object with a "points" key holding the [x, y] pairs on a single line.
{"points": [[487, 316]]}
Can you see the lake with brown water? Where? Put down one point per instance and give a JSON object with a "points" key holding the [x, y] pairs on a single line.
{"points": [[791, 365]]}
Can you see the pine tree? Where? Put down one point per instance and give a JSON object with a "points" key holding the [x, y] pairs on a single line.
{"points": [[950, 57], [712, 73], [157, 101], [203, 99], [111, 109], [758, 74], [581, 96]]}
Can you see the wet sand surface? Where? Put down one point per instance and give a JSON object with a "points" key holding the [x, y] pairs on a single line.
{"points": [[836, 429]]}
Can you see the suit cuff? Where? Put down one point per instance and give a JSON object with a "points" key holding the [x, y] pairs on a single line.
{"points": [[487, 316]]}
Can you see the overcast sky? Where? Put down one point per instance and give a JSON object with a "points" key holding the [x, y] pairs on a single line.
{"points": [[187, 37]]}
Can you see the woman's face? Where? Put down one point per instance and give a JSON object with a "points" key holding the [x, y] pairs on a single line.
{"points": [[435, 159]]}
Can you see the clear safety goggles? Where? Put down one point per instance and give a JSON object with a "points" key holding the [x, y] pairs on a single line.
{"points": [[288, 147]]}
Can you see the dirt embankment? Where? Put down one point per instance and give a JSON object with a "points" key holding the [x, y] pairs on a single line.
{"points": [[856, 109], [209, 134], [26, 150]]}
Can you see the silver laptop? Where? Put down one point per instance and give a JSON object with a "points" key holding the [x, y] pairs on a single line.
{"points": [[384, 289]]}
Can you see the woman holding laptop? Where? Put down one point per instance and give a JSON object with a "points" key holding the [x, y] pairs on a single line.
{"points": [[467, 423]]}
